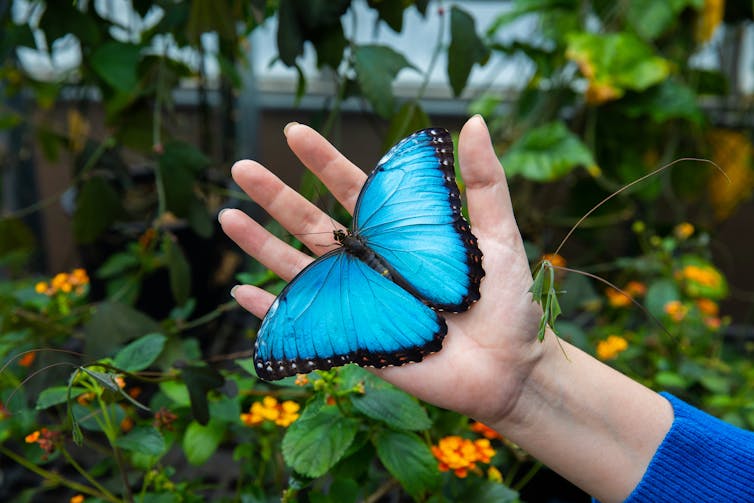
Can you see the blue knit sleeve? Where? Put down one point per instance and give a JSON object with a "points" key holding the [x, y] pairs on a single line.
{"points": [[701, 459]]}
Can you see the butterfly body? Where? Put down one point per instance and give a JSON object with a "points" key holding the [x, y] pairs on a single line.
{"points": [[375, 300]]}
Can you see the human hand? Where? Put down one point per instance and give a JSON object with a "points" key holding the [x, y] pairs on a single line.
{"points": [[489, 350]]}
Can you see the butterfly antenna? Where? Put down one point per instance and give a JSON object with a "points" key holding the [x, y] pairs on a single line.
{"points": [[622, 292], [34, 374], [628, 186]]}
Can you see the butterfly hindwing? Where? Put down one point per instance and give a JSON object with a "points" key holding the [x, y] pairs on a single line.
{"points": [[409, 213], [339, 310]]}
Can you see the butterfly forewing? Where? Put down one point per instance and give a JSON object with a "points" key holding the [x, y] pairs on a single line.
{"points": [[409, 213]]}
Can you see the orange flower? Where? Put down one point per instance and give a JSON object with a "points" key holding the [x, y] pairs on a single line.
{"points": [[79, 498], [461, 454], [485, 430], [683, 230], [676, 310], [126, 424], [27, 359], [301, 380], [633, 289], [282, 414], [703, 275], [708, 307], [617, 298], [555, 259], [610, 348], [64, 282], [32, 437], [85, 398]]}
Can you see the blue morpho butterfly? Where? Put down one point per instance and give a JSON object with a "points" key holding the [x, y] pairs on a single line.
{"points": [[375, 300]]}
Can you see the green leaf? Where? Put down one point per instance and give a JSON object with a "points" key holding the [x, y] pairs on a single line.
{"points": [[668, 100], [200, 381], [117, 264], [113, 324], [56, 395], [376, 68], [98, 206], [649, 18], [668, 379], [201, 441], [390, 11], [620, 61], [466, 48], [492, 492], [659, 293], [289, 37], [546, 153], [409, 460], [141, 353], [330, 44], [179, 270], [144, 440], [116, 63], [393, 407], [318, 439], [179, 166]]}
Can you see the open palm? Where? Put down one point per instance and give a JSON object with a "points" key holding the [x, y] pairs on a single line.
{"points": [[489, 350]]}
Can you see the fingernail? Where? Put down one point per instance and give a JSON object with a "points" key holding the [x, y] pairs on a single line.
{"points": [[220, 215], [289, 126], [233, 291]]}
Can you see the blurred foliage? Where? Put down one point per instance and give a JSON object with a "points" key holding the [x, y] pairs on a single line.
{"points": [[104, 396]]}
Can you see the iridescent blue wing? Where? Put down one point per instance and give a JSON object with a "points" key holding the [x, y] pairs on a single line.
{"points": [[409, 213], [339, 310]]}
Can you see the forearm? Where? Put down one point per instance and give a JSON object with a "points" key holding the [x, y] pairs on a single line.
{"points": [[588, 422]]}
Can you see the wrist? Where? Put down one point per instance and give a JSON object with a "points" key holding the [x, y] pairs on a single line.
{"points": [[593, 425]]}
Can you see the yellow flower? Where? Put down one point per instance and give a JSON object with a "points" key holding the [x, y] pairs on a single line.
{"points": [[610, 348], [709, 19], [494, 475], [461, 454], [282, 414], [676, 310], [64, 282], [683, 230], [733, 152]]}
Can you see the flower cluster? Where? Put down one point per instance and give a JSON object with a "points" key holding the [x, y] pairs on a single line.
{"points": [[632, 290], [269, 409], [46, 439], [461, 454], [610, 348], [75, 281]]}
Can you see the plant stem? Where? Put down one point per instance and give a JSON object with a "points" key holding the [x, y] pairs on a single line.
{"points": [[56, 477], [526, 478], [86, 474]]}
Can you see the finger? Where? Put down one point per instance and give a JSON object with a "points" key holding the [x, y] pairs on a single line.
{"points": [[281, 258], [254, 299], [488, 200], [294, 212], [343, 178]]}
